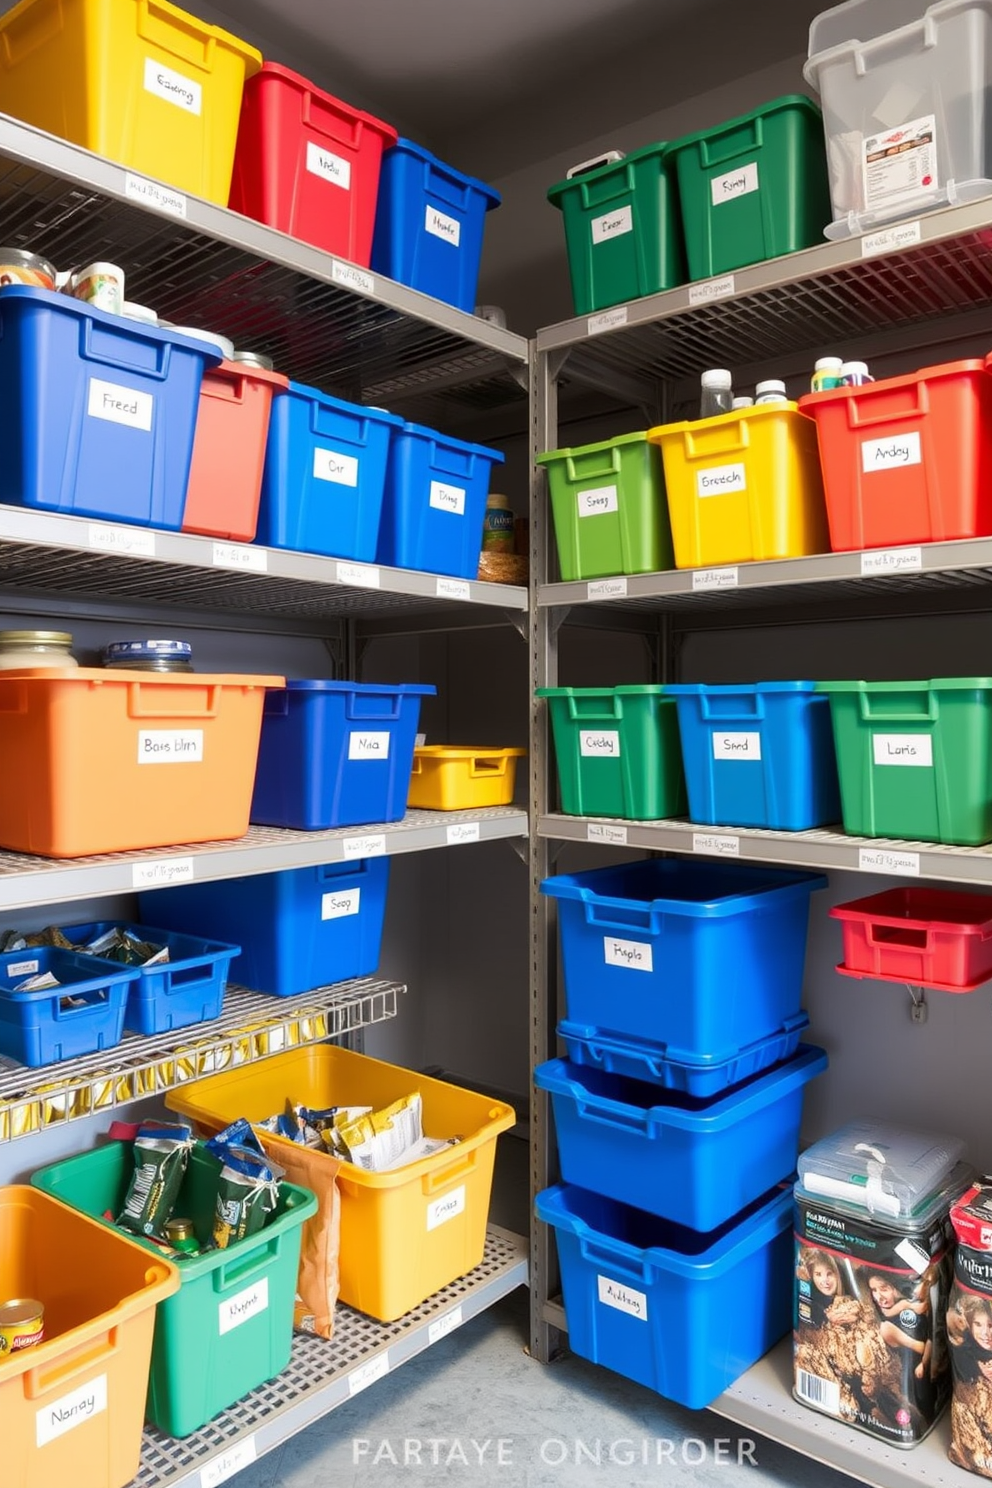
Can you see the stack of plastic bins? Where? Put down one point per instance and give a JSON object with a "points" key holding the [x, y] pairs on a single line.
{"points": [[608, 506], [677, 1113], [617, 751]]}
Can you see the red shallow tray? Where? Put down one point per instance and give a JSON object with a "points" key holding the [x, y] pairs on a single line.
{"points": [[928, 937]]}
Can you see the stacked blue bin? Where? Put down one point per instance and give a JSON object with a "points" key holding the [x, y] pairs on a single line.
{"points": [[677, 1113]]}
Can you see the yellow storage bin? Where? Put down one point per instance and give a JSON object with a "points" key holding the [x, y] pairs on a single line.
{"points": [[138, 81], [406, 1233], [449, 778], [743, 486]]}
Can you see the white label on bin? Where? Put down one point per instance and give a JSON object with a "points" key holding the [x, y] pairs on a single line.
{"points": [[881, 860], [445, 1325], [633, 955], [21, 968], [448, 498], [328, 166], [448, 229], [71, 1410], [740, 182], [623, 1298], [599, 743], [363, 575], [234, 1311], [736, 746], [340, 470], [170, 746], [453, 589], [613, 225], [607, 589], [598, 501], [366, 1374], [240, 556], [364, 847], [174, 87], [903, 749], [441, 1210], [162, 872], [606, 320], [369, 746], [712, 289], [721, 480], [816, 1390], [900, 165], [154, 194], [120, 405], [891, 239], [228, 1463], [892, 560], [352, 277], [338, 904], [891, 453], [133, 541], [716, 845], [461, 832], [597, 832], [714, 578]]}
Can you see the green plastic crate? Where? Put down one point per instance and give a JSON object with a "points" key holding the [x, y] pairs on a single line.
{"points": [[915, 758], [229, 1328], [618, 751], [753, 188], [609, 508], [622, 229]]}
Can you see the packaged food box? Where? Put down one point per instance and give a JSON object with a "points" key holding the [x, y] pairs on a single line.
{"points": [[969, 1331]]}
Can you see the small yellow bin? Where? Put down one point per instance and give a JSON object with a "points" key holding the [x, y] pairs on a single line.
{"points": [[743, 486], [138, 81], [449, 778], [405, 1233]]}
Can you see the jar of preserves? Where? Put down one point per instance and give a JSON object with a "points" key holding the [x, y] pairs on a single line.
{"points": [[17, 266], [150, 656], [23, 649]]}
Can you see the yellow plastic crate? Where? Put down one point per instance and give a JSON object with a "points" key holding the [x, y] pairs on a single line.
{"points": [[404, 1234], [138, 81], [446, 778], [743, 486]]}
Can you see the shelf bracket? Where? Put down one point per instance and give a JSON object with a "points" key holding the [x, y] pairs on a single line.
{"points": [[521, 846], [557, 361], [520, 372], [519, 620], [918, 997]]}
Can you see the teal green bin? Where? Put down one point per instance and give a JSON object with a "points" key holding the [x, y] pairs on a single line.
{"points": [[229, 1328], [609, 508], [915, 758], [622, 229], [753, 188], [618, 751]]}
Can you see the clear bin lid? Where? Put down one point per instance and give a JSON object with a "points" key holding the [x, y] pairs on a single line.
{"points": [[882, 1169], [864, 20]]}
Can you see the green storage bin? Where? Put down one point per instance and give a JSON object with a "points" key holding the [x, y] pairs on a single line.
{"points": [[915, 758], [229, 1328], [618, 751], [622, 229], [609, 508], [753, 188]]}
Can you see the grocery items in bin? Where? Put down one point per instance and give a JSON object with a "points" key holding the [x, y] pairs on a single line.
{"points": [[22, 1324], [622, 228], [308, 164], [375, 1141], [35, 648], [617, 751], [937, 938], [826, 373], [19, 266], [772, 390], [149, 656], [160, 1153], [232, 430], [99, 285], [915, 758], [969, 1330], [429, 223], [435, 502], [56, 1004], [608, 506], [717, 392], [873, 1247], [498, 534], [457, 778]]}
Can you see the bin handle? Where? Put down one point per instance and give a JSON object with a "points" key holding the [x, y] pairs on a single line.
{"points": [[898, 935], [749, 708], [601, 1255], [929, 716], [41, 1381], [443, 1177], [592, 468], [239, 1270], [608, 157], [136, 708], [610, 711], [93, 1001], [859, 416], [641, 917], [163, 352], [488, 766], [700, 446], [634, 1120], [162, 26], [716, 152]]}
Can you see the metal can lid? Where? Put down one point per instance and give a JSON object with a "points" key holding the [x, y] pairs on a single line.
{"points": [[26, 260], [255, 359], [179, 1229], [147, 650], [21, 1310], [15, 640]]}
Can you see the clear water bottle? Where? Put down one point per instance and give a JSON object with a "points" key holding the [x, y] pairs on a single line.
{"points": [[717, 394]]}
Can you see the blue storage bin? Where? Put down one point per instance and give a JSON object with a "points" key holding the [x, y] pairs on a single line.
{"points": [[661, 1064], [324, 475], [336, 754], [82, 1015], [429, 221], [759, 755], [435, 502], [101, 410], [305, 928], [696, 1163], [705, 957], [188, 988], [683, 1314]]}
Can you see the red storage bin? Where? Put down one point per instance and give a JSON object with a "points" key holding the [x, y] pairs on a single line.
{"points": [[928, 937], [907, 460], [232, 427], [308, 164]]}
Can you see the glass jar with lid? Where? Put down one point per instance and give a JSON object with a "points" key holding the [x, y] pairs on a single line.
{"points": [[23, 649]]}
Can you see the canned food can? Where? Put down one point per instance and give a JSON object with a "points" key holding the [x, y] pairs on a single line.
{"points": [[255, 359], [100, 285], [17, 266], [181, 1235], [22, 1324]]}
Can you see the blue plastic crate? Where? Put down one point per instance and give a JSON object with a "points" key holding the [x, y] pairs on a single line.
{"points": [[660, 1064], [435, 502], [324, 475], [705, 957], [694, 1162], [336, 754], [82, 1015], [759, 755], [429, 222], [683, 1314], [101, 410], [305, 928], [188, 988]]}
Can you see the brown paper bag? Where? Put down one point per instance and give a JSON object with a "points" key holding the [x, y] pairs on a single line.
{"points": [[317, 1279]]}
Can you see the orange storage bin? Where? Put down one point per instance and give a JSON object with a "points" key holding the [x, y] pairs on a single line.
{"points": [[232, 426], [909, 459], [72, 1408], [99, 761]]}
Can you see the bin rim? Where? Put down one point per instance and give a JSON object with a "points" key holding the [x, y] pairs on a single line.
{"points": [[744, 901], [110, 675], [328, 400], [731, 689], [212, 949], [775, 106], [135, 330], [549, 456], [816, 60], [448, 441], [465, 751], [973, 911], [410, 147], [905, 379], [615, 1044], [931, 684], [304, 85], [661, 148], [627, 689], [373, 689], [790, 407]]}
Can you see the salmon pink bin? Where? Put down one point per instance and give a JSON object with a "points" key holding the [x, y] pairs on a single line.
{"points": [[308, 164], [232, 429]]}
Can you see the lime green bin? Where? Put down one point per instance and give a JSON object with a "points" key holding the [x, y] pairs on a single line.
{"points": [[609, 508], [915, 758], [618, 751], [622, 230]]}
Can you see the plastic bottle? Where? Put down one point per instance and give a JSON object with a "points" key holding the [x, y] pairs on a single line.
{"points": [[717, 395], [826, 373], [743, 403], [772, 391], [855, 374]]}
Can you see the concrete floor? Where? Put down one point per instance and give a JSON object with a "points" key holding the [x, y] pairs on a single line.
{"points": [[474, 1410]]}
